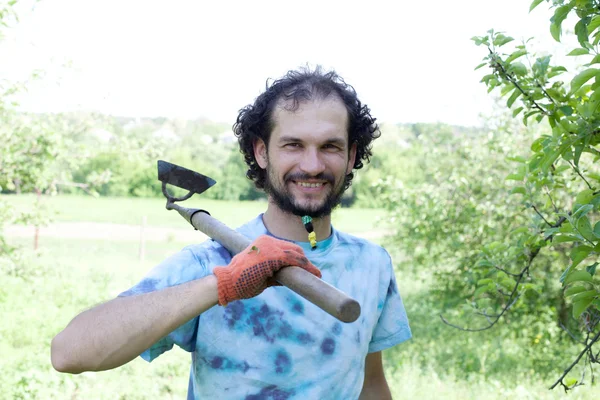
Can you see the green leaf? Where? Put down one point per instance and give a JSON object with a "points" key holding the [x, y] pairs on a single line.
{"points": [[534, 4], [578, 276], [516, 111], [582, 78], [507, 88], [597, 229], [595, 60], [584, 295], [563, 238], [519, 159], [518, 68], [566, 228], [515, 55], [579, 52], [538, 144], [483, 263], [521, 229], [484, 289], [501, 40], [570, 382], [487, 78], [496, 246], [591, 269], [582, 210], [581, 31], [585, 228], [564, 275], [484, 281], [557, 19], [555, 31], [567, 110], [585, 196], [574, 290], [508, 283], [549, 159], [514, 177], [578, 254], [480, 65], [580, 306], [594, 23], [514, 96], [519, 190], [577, 155]]}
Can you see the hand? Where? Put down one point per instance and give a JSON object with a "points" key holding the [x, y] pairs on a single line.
{"points": [[251, 271]]}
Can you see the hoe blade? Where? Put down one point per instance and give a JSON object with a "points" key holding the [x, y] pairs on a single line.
{"points": [[183, 178]]}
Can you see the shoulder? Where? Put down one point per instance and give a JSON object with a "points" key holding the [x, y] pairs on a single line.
{"points": [[205, 251], [210, 251]]}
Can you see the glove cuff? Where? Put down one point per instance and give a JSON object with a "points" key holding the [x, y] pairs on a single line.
{"points": [[224, 285]]}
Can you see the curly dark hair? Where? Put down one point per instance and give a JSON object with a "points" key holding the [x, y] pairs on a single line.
{"points": [[255, 120]]}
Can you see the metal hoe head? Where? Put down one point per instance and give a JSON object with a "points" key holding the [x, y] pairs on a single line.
{"points": [[182, 178]]}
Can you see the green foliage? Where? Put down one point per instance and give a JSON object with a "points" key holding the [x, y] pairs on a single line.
{"points": [[232, 181], [558, 180]]}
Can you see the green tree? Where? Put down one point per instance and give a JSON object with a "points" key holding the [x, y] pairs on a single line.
{"points": [[557, 181], [37, 153]]}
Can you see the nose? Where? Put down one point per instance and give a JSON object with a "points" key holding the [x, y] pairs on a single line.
{"points": [[311, 163]]}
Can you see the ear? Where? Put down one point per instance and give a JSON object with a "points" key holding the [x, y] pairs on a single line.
{"points": [[351, 158], [260, 153]]}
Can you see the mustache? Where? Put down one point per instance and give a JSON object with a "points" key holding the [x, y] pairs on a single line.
{"points": [[304, 177]]}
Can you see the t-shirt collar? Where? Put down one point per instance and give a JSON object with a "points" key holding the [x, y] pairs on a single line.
{"points": [[322, 245]]}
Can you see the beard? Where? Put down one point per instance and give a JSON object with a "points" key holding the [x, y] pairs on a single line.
{"points": [[286, 201]]}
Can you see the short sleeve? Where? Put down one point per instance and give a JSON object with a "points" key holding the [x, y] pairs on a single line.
{"points": [[180, 268], [392, 326]]}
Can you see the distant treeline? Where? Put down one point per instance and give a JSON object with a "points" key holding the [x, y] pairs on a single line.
{"points": [[116, 156]]}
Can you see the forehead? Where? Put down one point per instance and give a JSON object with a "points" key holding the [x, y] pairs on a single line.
{"points": [[315, 119]]}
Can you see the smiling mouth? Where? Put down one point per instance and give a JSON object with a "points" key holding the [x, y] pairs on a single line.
{"points": [[310, 184]]}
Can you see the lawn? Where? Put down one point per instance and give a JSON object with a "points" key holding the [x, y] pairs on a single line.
{"points": [[131, 210]]}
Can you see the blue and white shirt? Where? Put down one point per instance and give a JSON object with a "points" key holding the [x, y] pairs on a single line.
{"points": [[278, 345]]}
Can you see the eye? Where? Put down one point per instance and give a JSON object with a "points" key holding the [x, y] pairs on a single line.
{"points": [[292, 145], [330, 146]]}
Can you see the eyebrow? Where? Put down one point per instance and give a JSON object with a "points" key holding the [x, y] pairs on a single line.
{"points": [[337, 141]]}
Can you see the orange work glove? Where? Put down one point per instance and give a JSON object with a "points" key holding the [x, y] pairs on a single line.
{"points": [[251, 271]]}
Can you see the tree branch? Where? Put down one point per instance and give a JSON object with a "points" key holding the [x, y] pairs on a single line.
{"points": [[551, 200], [541, 216], [570, 367], [504, 74], [579, 173], [564, 328]]}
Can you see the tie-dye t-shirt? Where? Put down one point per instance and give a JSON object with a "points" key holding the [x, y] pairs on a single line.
{"points": [[278, 345]]}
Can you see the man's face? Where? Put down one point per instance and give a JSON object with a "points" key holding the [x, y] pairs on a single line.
{"points": [[307, 158]]}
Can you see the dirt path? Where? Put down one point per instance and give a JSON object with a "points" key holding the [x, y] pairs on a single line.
{"points": [[121, 232]]}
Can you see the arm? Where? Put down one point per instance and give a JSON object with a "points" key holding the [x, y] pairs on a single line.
{"points": [[375, 386], [114, 333]]}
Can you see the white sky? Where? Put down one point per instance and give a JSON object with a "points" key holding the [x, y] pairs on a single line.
{"points": [[410, 61]]}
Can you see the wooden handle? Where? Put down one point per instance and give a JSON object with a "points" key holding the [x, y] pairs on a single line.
{"points": [[313, 289]]}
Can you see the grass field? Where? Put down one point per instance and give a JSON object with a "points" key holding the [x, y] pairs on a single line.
{"points": [[130, 211], [67, 276]]}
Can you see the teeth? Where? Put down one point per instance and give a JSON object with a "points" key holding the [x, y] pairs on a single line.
{"points": [[310, 185]]}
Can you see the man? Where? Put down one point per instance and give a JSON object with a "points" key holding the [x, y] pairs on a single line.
{"points": [[301, 139]]}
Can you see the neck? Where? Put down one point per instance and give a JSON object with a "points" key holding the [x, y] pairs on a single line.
{"points": [[289, 226]]}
